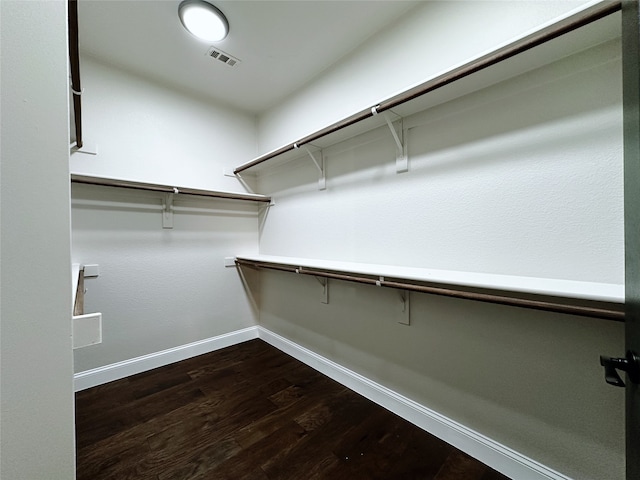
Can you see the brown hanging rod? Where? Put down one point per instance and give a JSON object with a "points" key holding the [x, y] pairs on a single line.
{"points": [[535, 39], [154, 187], [74, 61], [584, 311]]}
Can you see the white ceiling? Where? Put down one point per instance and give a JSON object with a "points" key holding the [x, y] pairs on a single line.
{"points": [[282, 45]]}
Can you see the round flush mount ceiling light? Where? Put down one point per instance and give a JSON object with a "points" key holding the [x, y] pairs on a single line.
{"points": [[203, 20]]}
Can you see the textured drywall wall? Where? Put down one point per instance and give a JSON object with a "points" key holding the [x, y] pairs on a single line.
{"points": [[159, 288], [148, 132], [36, 402], [522, 178]]}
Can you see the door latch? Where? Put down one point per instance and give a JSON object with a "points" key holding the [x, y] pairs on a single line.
{"points": [[629, 364]]}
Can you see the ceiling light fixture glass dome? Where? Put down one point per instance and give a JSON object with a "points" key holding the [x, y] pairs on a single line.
{"points": [[203, 20]]}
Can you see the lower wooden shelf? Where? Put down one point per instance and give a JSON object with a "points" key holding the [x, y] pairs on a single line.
{"points": [[589, 299]]}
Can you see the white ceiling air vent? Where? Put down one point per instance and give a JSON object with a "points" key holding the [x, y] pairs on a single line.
{"points": [[223, 57]]}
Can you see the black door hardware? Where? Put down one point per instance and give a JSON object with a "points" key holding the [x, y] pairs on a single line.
{"points": [[630, 364]]}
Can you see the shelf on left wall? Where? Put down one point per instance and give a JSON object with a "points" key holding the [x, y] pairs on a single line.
{"points": [[156, 187], [86, 327]]}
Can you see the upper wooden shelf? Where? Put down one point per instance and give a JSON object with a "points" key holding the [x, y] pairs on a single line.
{"points": [[594, 24], [155, 187]]}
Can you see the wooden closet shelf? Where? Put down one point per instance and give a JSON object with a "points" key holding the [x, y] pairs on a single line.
{"points": [[154, 187], [568, 35], [600, 300]]}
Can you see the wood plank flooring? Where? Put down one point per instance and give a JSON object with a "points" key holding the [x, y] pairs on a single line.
{"points": [[251, 412]]}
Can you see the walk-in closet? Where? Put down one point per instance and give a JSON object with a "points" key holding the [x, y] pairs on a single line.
{"points": [[414, 216]]}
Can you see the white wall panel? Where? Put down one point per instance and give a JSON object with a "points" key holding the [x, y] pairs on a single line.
{"points": [[36, 406], [522, 178], [147, 132], [159, 288]]}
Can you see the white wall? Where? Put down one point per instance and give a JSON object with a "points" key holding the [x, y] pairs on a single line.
{"points": [[36, 405], [428, 40], [521, 178], [151, 133], [159, 288]]}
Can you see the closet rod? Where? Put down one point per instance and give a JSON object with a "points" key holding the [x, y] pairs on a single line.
{"points": [[154, 187], [584, 311], [535, 39], [74, 61]]}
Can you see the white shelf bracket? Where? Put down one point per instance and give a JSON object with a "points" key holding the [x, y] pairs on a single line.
{"points": [[405, 297], [325, 289], [402, 159], [319, 163], [87, 148], [398, 133], [167, 210]]}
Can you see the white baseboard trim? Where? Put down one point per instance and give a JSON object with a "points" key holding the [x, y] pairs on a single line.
{"points": [[488, 451], [116, 371]]}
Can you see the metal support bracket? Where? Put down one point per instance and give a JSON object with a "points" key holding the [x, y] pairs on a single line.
{"points": [[319, 163], [87, 148], [398, 133], [167, 211], [325, 289], [402, 159], [405, 297]]}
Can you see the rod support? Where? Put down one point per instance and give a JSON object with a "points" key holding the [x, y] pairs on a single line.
{"points": [[167, 211], [405, 298], [325, 289], [319, 163], [402, 159]]}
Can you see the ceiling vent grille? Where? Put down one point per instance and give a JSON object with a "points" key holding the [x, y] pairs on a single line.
{"points": [[223, 57]]}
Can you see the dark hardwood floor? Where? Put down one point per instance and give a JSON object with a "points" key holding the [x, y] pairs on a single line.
{"points": [[251, 412]]}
